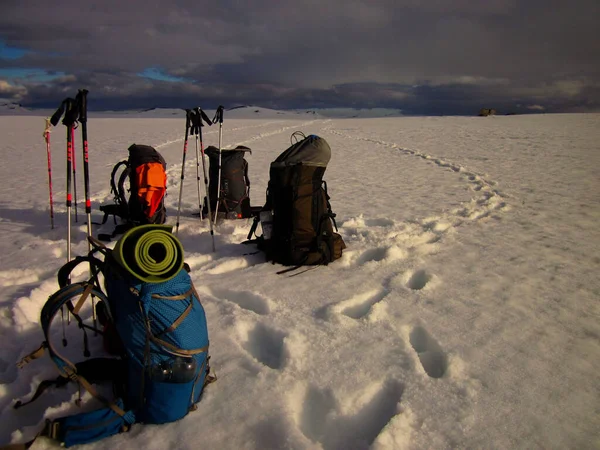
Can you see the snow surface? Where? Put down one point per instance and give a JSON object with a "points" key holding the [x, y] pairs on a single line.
{"points": [[464, 313]]}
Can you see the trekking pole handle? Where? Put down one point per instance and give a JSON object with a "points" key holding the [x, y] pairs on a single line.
{"points": [[58, 113], [68, 107], [82, 103], [219, 115], [71, 112], [189, 120], [195, 121]]}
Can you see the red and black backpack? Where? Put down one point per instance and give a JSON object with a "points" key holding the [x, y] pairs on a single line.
{"points": [[145, 171]]}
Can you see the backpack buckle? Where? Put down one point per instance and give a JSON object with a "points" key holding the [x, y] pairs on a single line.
{"points": [[51, 429]]}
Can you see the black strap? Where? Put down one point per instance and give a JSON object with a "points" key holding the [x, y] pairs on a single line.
{"points": [[219, 114], [113, 210], [120, 196], [332, 215], [304, 271], [196, 119], [113, 185], [42, 387], [119, 229], [253, 228], [70, 108], [316, 209], [246, 177], [204, 117], [95, 370], [289, 269]]}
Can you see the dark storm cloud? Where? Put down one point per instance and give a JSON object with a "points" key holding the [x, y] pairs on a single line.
{"points": [[439, 56]]}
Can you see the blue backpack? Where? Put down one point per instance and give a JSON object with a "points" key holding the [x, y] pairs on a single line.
{"points": [[159, 332]]}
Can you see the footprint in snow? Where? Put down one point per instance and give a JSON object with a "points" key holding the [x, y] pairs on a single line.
{"points": [[250, 301], [380, 222], [360, 305], [228, 265], [387, 254], [362, 222], [265, 344], [321, 420], [419, 280], [432, 357]]}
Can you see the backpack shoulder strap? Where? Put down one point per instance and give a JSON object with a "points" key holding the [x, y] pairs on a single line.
{"points": [[64, 273], [119, 189], [331, 214], [113, 175], [63, 298], [246, 177], [120, 207]]}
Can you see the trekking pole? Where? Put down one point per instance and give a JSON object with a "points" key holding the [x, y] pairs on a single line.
{"points": [[219, 117], [82, 103], [185, 144], [202, 116], [69, 108], [47, 138], [74, 172], [196, 124]]}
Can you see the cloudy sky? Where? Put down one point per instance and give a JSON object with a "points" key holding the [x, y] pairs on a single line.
{"points": [[421, 56]]}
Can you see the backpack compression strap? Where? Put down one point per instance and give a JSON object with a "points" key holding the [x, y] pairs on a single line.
{"points": [[167, 346]]}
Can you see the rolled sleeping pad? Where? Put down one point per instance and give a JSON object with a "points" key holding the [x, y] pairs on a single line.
{"points": [[150, 253]]}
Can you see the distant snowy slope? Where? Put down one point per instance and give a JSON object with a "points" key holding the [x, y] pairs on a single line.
{"points": [[354, 113], [236, 112], [249, 112], [258, 112], [159, 113], [12, 109]]}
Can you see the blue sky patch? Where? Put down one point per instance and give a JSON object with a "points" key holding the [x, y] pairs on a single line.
{"points": [[7, 52], [29, 74], [155, 73]]}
